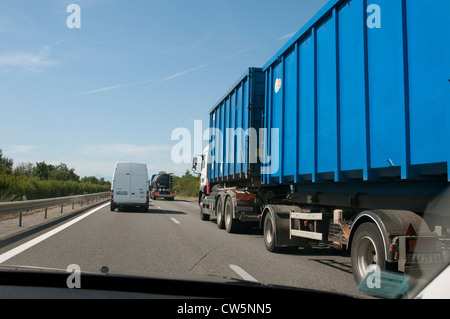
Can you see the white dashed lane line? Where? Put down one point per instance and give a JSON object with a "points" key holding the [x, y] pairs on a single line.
{"points": [[242, 273], [174, 220]]}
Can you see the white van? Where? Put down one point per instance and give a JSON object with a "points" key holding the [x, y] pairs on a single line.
{"points": [[130, 186]]}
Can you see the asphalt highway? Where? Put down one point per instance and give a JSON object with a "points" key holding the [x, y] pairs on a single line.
{"points": [[171, 240]]}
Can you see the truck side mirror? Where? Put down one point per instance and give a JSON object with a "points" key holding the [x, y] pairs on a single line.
{"points": [[194, 164]]}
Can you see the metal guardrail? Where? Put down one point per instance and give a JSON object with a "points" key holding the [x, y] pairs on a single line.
{"points": [[30, 205]]}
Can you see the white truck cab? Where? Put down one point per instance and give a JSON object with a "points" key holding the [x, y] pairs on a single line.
{"points": [[202, 171], [130, 186]]}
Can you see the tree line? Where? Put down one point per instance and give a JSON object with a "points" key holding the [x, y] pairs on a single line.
{"points": [[42, 180], [187, 185]]}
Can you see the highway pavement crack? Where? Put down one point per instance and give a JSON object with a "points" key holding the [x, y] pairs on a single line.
{"points": [[204, 256]]}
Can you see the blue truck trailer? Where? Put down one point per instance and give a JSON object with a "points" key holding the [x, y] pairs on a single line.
{"points": [[342, 137]]}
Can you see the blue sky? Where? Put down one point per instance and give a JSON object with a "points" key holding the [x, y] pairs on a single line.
{"points": [[115, 89]]}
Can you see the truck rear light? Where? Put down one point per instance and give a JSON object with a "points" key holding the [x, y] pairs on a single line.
{"points": [[148, 195], [208, 187], [393, 248], [112, 193]]}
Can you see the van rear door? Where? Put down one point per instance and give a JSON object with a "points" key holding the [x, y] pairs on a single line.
{"points": [[122, 180], [138, 183]]}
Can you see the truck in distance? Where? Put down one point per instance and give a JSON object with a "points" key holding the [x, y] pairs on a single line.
{"points": [[161, 186]]}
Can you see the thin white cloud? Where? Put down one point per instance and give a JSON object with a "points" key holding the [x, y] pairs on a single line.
{"points": [[100, 159], [98, 169], [133, 149], [176, 75], [26, 61], [118, 150], [104, 168], [286, 36], [120, 86], [165, 79], [16, 149], [109, 88]]}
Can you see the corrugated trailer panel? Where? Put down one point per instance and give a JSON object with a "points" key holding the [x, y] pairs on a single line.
{"points": [[239, 110], [362, 92], [387, 87], [429, 75]]}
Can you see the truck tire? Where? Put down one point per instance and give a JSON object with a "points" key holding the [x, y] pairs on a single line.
{"points": [[203, 216], [270, 234], [231, 224], [219, 212], [367, 249]]}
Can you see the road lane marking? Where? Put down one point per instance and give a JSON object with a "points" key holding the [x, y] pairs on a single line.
{"points": [[159, 207], [19, 249], [242, 273], [174, 220]]}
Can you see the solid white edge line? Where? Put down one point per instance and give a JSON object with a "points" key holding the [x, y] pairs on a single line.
{"points": [[19, 249], [174, 220], [242, 273]]}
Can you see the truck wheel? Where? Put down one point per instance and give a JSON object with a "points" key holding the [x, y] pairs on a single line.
{"points": [[219, 212], [203, 216], [367, 249], [270, 235], [112, 206], [231, 224]]}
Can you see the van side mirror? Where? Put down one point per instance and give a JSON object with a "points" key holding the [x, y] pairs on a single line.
{"points": [[194, 163]]}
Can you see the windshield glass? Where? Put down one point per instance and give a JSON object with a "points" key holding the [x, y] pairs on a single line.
{"points": [[324, 125]]}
